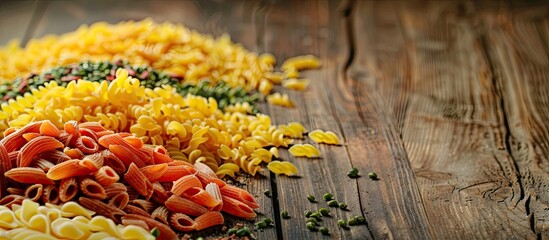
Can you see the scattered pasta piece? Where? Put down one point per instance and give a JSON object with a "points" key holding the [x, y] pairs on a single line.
{"points": [[327, 137], [304, 150], [286, 168], [280, 99], [301, 62], [296, 84]]}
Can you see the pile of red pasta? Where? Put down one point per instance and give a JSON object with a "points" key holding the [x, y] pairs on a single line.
{"points": [[115, 175]]}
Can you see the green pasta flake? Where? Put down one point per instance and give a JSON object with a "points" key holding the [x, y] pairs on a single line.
{"points": [[333, 203], [328, 196], [324, 231], [311, 198]]}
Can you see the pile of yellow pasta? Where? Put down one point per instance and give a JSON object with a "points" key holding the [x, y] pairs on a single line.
{"points": [[191, 128]]}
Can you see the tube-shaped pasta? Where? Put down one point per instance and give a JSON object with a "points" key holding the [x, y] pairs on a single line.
{"points": [[101, 208], [120, 200], [28, 175], [68, 188], [165, 231], [208, 219], [91, 188], [47, 128], [237, 208], [154, 172], [106, 176], [182, 205], [161, 214], [184, 183], [68, 169], [240, 195], [34, 147], [138, 181], [34, 192], [182, 222]]}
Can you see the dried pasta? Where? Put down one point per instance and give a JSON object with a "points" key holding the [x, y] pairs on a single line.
{"points": [[304, 150], [327, 137], [286, 168]]}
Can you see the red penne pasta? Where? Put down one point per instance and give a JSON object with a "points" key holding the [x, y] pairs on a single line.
{"points": [[94, 126], [182, 205], [132, 209], [237, 208], [135, 222], [182, 222], [84, 132], [206, 175], [55, 156], [200, 196], [34, 147], [34, 192], [161, 214], [154, 172], [165, 231], [9, 200], [47, 128], [16, 191], [159, 158], [124, 134], [74, 153], [72, 128], [126, 155], [106, 176], [101, 208], [104, 133], [138, 181], [91, 188], [208, 219], [93, 161], [186, 182], [28, 175], [30, 136], [160, 194], [240, 195], [50, 194], [42, 164], [9, 131], [68, 169], [132, 193], [15, 140], [120, 200], [176, 172], [5, 165], [65, 138], [68, 188], [86, 144], [148, 206], [12, 156], [134, 141], [114, 162], [115, 189], [213, 189], [116, 139]]}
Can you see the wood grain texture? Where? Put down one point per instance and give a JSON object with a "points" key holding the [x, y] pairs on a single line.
{"points": [[518, 49]]}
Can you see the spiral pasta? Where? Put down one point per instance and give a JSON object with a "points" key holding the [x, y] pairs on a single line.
{"points": [[280, 99], [286, 168], [304, 150], [327, 137]]}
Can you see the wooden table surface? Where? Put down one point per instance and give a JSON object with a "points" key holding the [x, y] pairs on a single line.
{"points": [[447, 101]]}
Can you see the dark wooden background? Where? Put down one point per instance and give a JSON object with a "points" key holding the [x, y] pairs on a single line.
{"points": [[447, 101]]}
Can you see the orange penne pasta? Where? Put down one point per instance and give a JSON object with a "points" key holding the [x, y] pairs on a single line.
{"points": [[154, 172], [240, 195], [71, 127], [126, 155], [101, 208], [116, 139], [182, 184], [88, 133], [148, 206], [132, 209], [159, 158], [135, 222], [9, 131], [55, 156], [182, 222], [5, 165], [106, 176], [134, 141], [200, 196], [50, 194], [92, 162], [182, 205], [237, 208], [74, 153], [30, 136], [104, 133], [94, 126], [42, 164], [113, 161], [115, 189], [206, 175], [68, 188], [120, 200], [47, 128], [160, 194], [34, 192], [165, 231], [138, 181], [91, 188], [12, 156], [15, 140], [68, 169], [34, 147], [9, 200], [208, 219], [213, 189], [86, 144], [16, 191], [28, 175], [161, 214], [176, 172], [65, 138], [132, 193]]}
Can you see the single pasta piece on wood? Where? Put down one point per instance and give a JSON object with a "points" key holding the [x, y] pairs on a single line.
{"points": [[237, 208]]}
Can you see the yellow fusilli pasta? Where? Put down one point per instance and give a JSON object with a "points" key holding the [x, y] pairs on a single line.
{"points": [[327, 137], [304, 150]]}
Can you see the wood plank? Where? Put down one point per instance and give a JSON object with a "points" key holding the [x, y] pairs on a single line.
{"points": [[427, 62], [236, 18], [519, 51], [16, 18]]}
